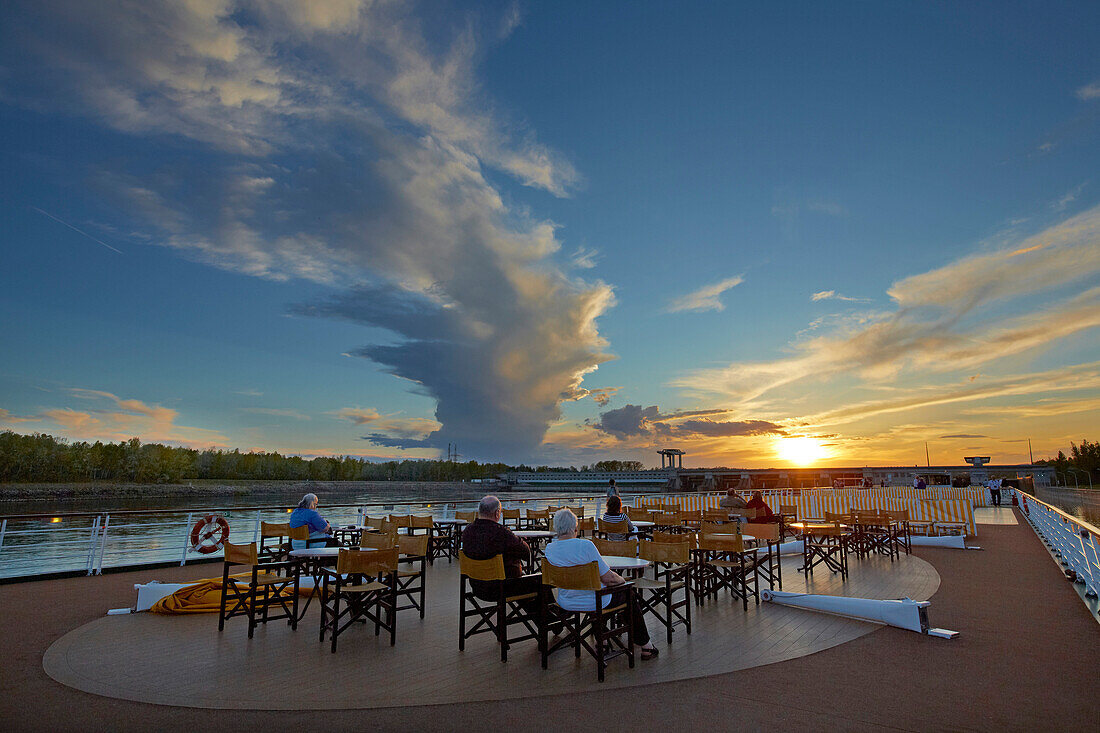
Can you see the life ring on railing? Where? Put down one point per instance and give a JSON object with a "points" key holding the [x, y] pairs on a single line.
{"points": [[209, 534]]}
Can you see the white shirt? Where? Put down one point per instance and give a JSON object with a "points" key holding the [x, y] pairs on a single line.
{"points": [[566, 554]]}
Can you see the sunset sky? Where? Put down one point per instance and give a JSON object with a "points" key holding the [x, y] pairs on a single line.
{"points": [[553, 232]]}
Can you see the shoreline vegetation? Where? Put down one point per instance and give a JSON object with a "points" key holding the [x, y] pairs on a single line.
{"points": [[277, 490], [44, 459]]}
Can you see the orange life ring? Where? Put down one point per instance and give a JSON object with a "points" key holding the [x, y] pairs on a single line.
{"points": [[209, 534]]}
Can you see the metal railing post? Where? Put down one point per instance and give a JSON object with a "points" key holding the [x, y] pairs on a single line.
{"points": [[186, 539], [3, 531], [92, 545], [256, 528], [102, 544]]}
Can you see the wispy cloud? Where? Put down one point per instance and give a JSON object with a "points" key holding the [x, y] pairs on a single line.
{"points": [[632, 421], [275, 412], [705, 298], [583, 258], [249, 392], [935, 327], [1089, 92], [78, 231], [834, 295]]}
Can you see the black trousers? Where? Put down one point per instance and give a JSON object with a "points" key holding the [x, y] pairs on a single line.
{"points": [[520, 586], [995, 495], [637, 619]]}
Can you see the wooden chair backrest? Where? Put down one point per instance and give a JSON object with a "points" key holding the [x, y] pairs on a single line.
{"points": [[468, 516], [401, 520], [241, 554], [900, 515], [835, 517], [668, 507], [367, 562], [690, 515], [574, 577], [298, 533], [670, 537], [375, 522], [709, 528], [716, 515], [421, 522], [413, 545], [377, 540], [832, 530], [745, 512], [511, 513], [790, 510], [721, 544], [586, 524], [538, 513], [768, 531], [667, 518], [618, 548], [615, 527], [491, 569], [274, 529], [670, 553], [578, 510], [637, 514]]}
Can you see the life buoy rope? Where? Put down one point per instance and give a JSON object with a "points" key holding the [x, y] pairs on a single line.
{"points": [[209, 534]]}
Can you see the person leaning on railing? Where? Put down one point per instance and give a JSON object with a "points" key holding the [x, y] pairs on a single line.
{"points": [[568, 550], [320, 532]]}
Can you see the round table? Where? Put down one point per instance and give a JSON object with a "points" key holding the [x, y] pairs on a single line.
{"points": [[535, 538], [628, 565], [643, 524]]}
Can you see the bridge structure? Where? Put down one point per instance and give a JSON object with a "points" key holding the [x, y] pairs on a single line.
{"points": [[720, 479]]}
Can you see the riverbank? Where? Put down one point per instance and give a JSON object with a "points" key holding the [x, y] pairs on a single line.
{"points": [[214, 489]]}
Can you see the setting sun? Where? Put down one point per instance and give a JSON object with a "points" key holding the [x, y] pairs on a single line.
{"points": [[800, 451]]}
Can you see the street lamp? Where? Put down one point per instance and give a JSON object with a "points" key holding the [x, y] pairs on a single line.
{"points": [[1078, 470]]}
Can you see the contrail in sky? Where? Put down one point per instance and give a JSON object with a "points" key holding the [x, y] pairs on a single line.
{"points": [[78, 231]]}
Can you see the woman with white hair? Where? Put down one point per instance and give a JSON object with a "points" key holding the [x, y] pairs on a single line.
{"points": [[568, 550], [320, 532]]}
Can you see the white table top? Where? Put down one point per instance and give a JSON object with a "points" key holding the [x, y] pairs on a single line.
{"points": [[641, 523], [317, 552], [618, 562], [451, 521], [533, 533]]}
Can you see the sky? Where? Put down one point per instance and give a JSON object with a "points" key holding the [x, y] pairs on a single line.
{"points": [[553, 233]]}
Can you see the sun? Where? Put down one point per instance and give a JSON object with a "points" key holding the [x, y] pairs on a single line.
{"points": [[800, 451]]}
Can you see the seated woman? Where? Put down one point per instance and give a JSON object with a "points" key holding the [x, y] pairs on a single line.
{"points": [[613, 512], [568, 550], [320, 533], [764, 512]]}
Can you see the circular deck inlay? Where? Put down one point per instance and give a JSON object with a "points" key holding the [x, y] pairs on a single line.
{"points": [[183, 660]]}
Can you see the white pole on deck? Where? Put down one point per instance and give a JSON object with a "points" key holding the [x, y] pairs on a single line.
{"points": [[102, 544], [186, 539]]}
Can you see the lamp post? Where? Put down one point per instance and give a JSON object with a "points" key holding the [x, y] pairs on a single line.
{"points": [[1077, 471]]}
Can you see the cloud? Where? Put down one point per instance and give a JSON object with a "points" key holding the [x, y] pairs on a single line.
{"points": [[275, 412], [249, 392], [833, 295], [705, 298], [341, 144], [601, 396], [635, 420], [940, 325], [1089, 92], [1064, 202], [961, 436], [129, 418], [583, 258], [400, 432]]}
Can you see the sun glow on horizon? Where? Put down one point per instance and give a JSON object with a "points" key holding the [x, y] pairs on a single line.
{"points": [[800, 451]]}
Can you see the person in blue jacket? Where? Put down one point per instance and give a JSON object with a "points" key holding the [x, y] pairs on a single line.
{"points": [[320, 532]]}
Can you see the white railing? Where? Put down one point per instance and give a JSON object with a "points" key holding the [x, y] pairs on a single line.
{"points": [[1074, 542], [40, 544]]}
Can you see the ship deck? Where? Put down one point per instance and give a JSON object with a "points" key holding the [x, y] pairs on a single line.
{"points": [[1025, 657]]}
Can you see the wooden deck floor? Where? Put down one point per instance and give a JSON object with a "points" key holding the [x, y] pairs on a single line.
{"points": [[184, 661]]}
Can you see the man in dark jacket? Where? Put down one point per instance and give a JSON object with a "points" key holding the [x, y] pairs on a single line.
{"points": [[487, 537]]}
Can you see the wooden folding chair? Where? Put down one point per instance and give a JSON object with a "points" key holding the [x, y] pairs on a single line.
{"points": [[613, 530], [363, 586], [411, 583], [586, 526], [504, 612], [828, 545], [261, 590], [769, 567], [606, 627], [276, 552], [900, 520], [510, 518], [723, 563], [616, 548], [671, 562]]}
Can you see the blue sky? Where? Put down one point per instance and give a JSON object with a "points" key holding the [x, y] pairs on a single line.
{"points": [[553, 232]]}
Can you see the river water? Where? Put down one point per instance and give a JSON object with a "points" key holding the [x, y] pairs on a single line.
{"points": [[68, 542]]}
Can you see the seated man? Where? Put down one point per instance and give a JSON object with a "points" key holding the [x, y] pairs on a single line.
{"points": [[568, 550], [614, 513], [732, 501], [320, 533], [764, 512], [486, 537]]}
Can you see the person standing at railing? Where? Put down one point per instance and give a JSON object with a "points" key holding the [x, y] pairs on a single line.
{"points": [[320, 531]]}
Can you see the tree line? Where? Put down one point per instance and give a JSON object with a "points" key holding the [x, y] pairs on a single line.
{"points": [[1084, 458], [43, 458]]}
